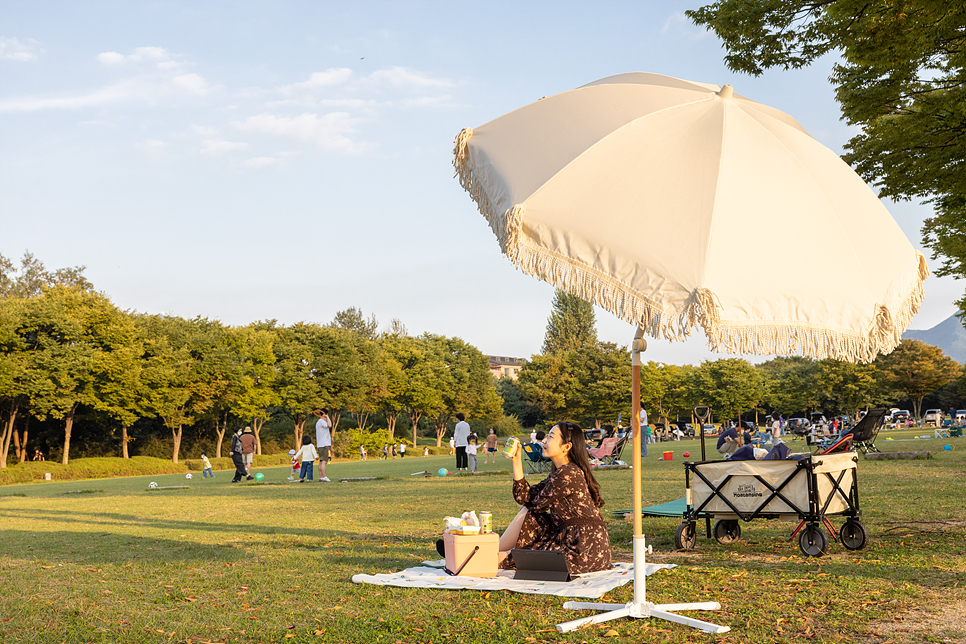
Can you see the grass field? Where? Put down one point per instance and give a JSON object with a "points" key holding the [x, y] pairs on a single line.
{"points": [[111, 561]]}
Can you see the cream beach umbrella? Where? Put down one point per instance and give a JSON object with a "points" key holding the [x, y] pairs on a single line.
{"points": [[678, 205]]}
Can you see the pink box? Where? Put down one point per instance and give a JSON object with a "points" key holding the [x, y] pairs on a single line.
{"points": [[459, 548]]}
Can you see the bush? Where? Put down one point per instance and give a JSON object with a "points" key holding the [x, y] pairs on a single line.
{"points": [[347, 442], [89, 468], [508, 426]]}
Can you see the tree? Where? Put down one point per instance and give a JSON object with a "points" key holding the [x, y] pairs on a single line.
{"points": [[571, 325], [257, 393], [299, 391], [603, 373], [851, 386], [170, 375], [72, 336], [730, 385], [465, 383], [792, 384], [548, 382], [33, 277], [515, 402], [901, 81], [354, 321], [416, 388], [916, 369], [15, 376]]}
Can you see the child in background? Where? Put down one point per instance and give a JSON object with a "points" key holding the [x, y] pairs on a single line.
{"points": [[385, 451], [296, 465], [308, 456], [472, 461], [206, 472]]}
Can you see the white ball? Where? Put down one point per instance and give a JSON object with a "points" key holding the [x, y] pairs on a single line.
{"points": [[152, 485], [188, 475]]}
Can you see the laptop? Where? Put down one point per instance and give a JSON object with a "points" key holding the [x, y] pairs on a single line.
{"points": [[541, 565]]}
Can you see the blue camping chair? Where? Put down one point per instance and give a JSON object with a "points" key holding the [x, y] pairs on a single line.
{"points": [[535, 463]]}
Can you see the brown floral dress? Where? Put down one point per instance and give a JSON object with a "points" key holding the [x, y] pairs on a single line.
{"points": [[562, 516]]}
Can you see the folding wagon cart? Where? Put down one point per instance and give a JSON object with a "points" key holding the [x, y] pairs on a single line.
{"points": [[810, 489]]}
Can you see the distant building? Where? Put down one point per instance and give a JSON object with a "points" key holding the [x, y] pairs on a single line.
{"points": [[504, 367]]}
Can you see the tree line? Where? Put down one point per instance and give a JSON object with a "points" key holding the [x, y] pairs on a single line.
{"points": [[65, 348], [67, 352]]}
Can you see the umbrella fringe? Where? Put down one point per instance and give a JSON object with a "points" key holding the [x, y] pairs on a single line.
{"points": [[463, 170], [703, 309]]}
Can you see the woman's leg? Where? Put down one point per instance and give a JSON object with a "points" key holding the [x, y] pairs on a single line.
{"points": [[508, 540]]}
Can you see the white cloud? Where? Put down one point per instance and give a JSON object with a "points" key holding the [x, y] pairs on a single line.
{"points": [[170, 65], [19, 50], [262, 162], [140, 54], [401, 77], [328, 132], [192, 83], [204, 130], [110, 58], [154, 144], [112, 94], [333, 76], [217, 148]]}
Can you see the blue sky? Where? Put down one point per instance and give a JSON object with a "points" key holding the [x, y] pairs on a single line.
{"points": [[247, 161]]}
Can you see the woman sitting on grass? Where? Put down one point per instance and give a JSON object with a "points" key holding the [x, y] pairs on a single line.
{"points": [[562, 511]]}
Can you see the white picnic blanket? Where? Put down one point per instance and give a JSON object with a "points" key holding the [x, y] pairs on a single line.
{"points": [[430, 575]]}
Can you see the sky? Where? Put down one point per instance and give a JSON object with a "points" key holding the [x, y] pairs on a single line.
{"points": [[247, 161]]}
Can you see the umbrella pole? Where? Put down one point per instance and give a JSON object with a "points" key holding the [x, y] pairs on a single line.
{"points": [[640, 607]]}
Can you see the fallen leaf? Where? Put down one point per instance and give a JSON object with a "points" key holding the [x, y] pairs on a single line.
{"points": [[611, 633]]}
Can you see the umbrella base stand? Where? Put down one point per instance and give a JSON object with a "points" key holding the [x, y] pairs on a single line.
{"points": [[640, 608]]}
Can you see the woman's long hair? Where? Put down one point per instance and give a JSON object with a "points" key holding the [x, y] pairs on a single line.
{"points": [[573, 434]]}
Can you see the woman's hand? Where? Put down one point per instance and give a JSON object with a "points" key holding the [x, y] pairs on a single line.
{"points": [[517, 460]]}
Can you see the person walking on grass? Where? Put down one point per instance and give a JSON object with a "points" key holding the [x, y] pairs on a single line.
{"points": [[460, 440], [491, 441], [237, 458], [471, 448], [248, 449], [206, 471], [323, 438], [307, 455], [402, 450]]}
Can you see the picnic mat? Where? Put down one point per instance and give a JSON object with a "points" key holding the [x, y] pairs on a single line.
{"points": [[431, 575], [674, 508]]}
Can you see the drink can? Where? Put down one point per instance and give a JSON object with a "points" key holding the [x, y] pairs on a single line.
{"points": [[511, 447], [486, 522]]}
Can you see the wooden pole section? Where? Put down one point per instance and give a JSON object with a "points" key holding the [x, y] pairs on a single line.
{"points": [[637, 347]]}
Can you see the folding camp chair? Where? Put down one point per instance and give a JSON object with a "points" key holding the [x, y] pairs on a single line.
{"points": [[535, 463], [860, 437], [606, 449]]}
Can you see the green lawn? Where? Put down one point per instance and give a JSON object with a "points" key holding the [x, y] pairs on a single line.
{"points": [[110, 561]]}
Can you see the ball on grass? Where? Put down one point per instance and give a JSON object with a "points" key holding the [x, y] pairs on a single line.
{"points": [[188, 475], [259, 477], [443, 471], [152, 485], [687, 454]]}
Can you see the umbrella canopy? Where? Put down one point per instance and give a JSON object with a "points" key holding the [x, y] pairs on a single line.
{"points": [[675, 204]]}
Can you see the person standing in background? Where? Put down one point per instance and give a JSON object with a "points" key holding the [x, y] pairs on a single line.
{"points": [[461, 437], [645, 433], [323, 438]]}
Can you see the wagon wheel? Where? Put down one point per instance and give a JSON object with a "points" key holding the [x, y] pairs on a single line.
{"points": [[812, 541], [853, 535], [686, 536], [727, 531]]}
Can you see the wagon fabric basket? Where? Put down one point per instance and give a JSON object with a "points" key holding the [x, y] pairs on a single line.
{"points": [[810, 489]]}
